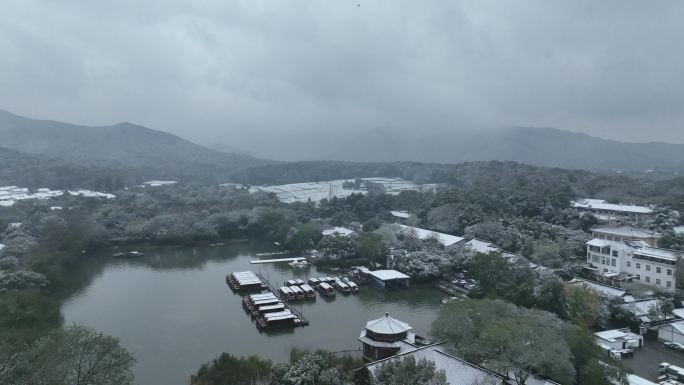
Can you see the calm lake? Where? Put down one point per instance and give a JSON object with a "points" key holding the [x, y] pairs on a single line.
{"points": [[174, 311]]}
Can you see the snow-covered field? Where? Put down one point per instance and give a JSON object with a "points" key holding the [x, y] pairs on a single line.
{"points": [[9, 195], [302, 192]]}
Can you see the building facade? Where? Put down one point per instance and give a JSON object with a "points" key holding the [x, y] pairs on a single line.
{"points": [[633, 260]]}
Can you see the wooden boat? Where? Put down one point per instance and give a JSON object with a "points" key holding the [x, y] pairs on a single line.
{"points": [[245, 281], [272, 308], [343, 287], [277, 320], [291, 282], [298, 293], [354, 287], [326, 289], [287, 293], [314, 281], [130, 254], [308, 291]]}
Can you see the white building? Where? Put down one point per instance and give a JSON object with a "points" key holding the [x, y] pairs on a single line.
{"points": [[633, 260], [619, 339], [672, 332], [612, 212]]}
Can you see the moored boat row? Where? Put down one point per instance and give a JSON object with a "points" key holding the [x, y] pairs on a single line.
{"points": [[245, 281], [271, 312]]}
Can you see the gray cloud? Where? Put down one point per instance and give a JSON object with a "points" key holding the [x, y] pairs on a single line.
{"points": [[235, 71]]}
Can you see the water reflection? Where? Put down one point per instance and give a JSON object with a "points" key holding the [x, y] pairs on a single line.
{"points": [[173, 309]]}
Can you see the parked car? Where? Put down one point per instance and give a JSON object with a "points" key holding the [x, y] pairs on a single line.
{"points": [[674, 346]]}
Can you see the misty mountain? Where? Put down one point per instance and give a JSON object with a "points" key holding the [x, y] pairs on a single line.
{"points": [[124, 145], [36, 171], [546, 147]]}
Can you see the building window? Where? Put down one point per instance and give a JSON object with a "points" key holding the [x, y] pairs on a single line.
{"points": [[605, 270], [668, 284], [613, 262], [614, 253], [595, 258], [669, 271], [648, 267], [628, 263], [603, 261], [657, 281], [648, 279], [638, 265], [638, 277], [658, 270]]}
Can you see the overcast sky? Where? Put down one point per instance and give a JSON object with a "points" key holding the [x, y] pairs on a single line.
{"points": [[221, 71]]}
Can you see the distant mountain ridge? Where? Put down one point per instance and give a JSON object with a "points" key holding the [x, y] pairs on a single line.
{"points": [[158, 154], [546, 147]]}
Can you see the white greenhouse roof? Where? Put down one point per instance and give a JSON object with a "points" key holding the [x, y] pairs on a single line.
{"points": [[600, 204], [600, 288], [400, 214], [482, 246], [444, 239], [386, 275], [343, 231]]}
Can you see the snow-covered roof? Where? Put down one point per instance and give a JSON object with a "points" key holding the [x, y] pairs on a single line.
{"points": [[479, 246], [343, 231], [457, 371], [640, 308], [616, 335], [626, 231], [157, 183], [678, 229], [636, 380], [401, 214], [387, 325], [669, 255], [600, 204], [386, 275], [317, 191], [679, 313], [598, 242], [444, 239], [91, 194], [600, 288], [2, 246], [678, 326]]}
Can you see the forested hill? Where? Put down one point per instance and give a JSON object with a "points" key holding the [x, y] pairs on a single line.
{"points": [[547, 147], [36, 171], [467, 173], [122, 145]]}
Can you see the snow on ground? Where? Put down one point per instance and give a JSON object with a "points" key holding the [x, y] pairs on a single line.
{"points": [[2, 246], [9, 195], [303, 192]]}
